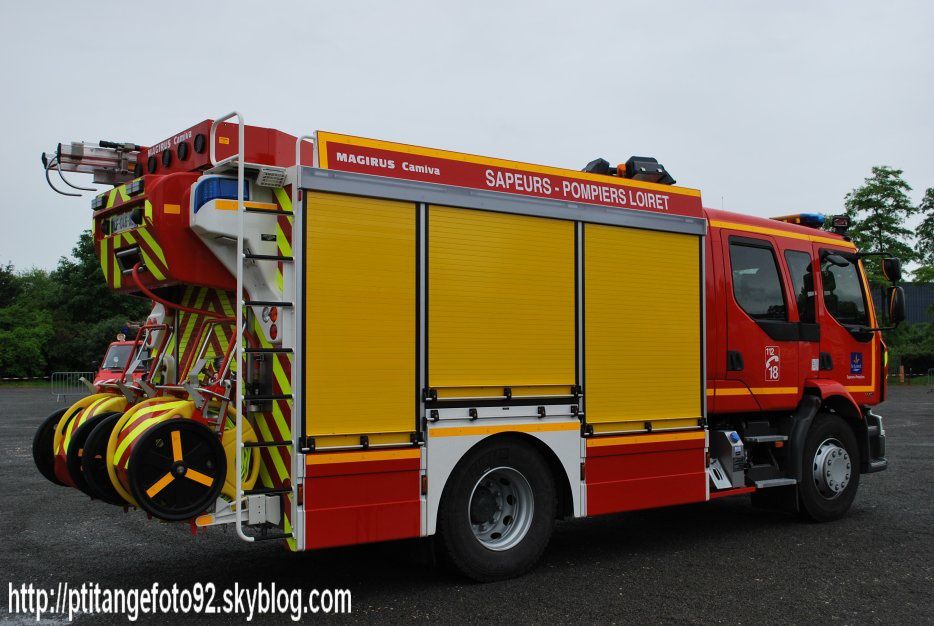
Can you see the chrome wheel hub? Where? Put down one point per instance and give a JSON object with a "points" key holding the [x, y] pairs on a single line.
{"points": [[831, 468], [500, 508]]}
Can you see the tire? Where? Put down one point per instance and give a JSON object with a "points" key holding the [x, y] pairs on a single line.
{"points": [[152, 461], [76, 449], [42, 453], [830, 469], [94, 462], [476, 503]]}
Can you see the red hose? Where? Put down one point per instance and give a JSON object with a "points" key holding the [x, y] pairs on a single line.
{"points": [[149, 294]]}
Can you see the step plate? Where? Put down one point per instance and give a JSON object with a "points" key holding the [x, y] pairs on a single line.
{"points": [[775, 482]]}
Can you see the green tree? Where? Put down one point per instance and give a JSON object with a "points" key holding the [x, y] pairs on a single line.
{"points": [[878, 210], [63, 320], [87, 313], [26, 327], [9, 285], [925, 235]]}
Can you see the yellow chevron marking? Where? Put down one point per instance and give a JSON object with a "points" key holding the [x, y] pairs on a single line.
{"points": [[276, 457], [105, 257], [152, 244], [283, 199]]}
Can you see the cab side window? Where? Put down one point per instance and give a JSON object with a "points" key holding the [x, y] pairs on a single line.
{"points": [[843, 292], [802, 275], [757, 284]]}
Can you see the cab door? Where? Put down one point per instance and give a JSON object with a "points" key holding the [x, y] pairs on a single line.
{"points": [[803, 267], [762, 340], [849, 352]]}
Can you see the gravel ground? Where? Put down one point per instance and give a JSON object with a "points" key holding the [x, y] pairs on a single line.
{"points": [[716, 562]]}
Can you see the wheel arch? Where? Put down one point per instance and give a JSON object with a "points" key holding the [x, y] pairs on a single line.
{"points": [[564, 499], [837, 400]]}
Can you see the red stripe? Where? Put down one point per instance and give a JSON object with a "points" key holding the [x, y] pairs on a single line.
{"points": [[643, 448]]}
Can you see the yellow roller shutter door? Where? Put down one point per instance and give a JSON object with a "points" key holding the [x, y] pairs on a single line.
{"points": [[500, 304], [642, 328], [360, 319]]}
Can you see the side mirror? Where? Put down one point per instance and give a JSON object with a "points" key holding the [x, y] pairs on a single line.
{"points": [[892, 269], [895, 300]]}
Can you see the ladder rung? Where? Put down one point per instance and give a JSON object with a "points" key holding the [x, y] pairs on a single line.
{"points": [[267, 350], [247, 209], [267, 444], [267, 491], [266, 303], [266, 257], [266, 398]]}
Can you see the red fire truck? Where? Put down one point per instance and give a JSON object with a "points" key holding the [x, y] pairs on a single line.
{"points": [[430, 343]]}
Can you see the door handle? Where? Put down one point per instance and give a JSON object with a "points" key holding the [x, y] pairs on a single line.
{"points": [[734, 361]]}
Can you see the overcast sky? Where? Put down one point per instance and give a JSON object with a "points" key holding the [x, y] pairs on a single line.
{"points": [[767, 107]]}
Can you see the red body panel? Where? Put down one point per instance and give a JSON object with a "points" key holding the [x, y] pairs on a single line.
{"points": [[187, 260], [645, 475], [164, 203], [263, 145], [361, 502]]}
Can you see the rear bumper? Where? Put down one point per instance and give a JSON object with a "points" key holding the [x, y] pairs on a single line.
{"points": [[875, 444]]}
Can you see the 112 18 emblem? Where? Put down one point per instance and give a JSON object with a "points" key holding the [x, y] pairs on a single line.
{"points": [[773, 362]]}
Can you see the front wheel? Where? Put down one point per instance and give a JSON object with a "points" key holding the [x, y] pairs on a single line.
{"points": [[498, 511], [830, 471]]}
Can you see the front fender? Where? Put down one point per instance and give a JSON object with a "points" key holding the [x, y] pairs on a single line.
{"points": [[835, 397]]}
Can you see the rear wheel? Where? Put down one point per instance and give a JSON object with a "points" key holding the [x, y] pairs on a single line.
{"points": [[42, 441], [498, 511], [830, 471]]}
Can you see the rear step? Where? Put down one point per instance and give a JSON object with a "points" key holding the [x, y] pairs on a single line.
{"points": [[775, 482], [764, 438]]}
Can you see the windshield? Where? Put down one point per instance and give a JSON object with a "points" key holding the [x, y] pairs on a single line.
{"points": [[843, 292], [116, 357]]}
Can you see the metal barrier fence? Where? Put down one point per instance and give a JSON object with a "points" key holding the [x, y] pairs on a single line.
{"points": [[931, 380], [66, 384]]}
